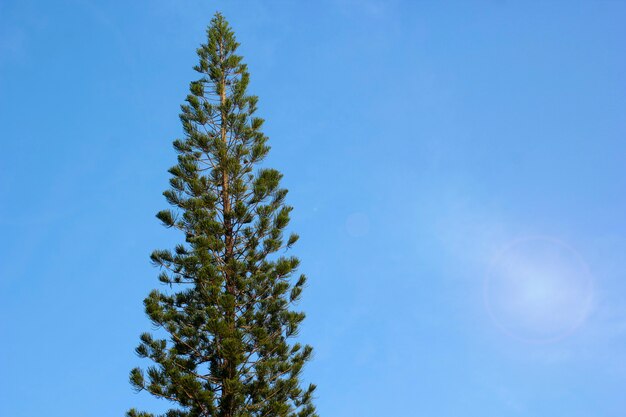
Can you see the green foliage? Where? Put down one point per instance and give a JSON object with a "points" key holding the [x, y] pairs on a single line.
{"points": [[226, 318]]}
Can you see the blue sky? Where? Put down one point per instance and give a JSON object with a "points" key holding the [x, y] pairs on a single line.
{"points": [[457, 172]]}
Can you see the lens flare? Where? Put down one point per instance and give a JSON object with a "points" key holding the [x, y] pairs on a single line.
{"points": [[538, 289], [357, 224]]}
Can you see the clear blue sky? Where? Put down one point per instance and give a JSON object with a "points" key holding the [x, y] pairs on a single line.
{"points": [[458, 172]]}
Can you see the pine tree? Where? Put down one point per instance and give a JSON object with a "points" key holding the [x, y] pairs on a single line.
{"points": [[225, 316]]}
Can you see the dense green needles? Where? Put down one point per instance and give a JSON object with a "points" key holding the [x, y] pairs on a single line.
{"points": [[225, 317]]}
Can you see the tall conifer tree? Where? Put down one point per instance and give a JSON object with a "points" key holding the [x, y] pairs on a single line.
{"points": [[227, 311]]}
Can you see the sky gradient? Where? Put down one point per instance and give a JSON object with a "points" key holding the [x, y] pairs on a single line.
{"points": [[457, 173]]}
